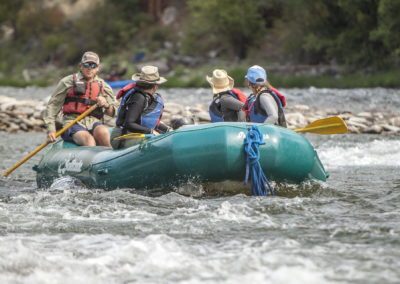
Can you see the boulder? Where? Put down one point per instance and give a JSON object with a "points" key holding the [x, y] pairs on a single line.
{"points": [[296, 119], [374, 129], [395, 121], [203, 116], [358, 120], [391, 128], [174, 108]]}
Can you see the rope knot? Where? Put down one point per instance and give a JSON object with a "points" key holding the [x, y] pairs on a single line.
{"points": [[259, 182]]}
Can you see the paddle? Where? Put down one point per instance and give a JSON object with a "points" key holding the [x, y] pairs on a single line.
{"points": [[133, 135], [325, 126], [329, 125], [83, 115]]}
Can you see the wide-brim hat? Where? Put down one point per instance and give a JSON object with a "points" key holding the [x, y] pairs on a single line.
{"points": [[149, 75], [220, 81]]}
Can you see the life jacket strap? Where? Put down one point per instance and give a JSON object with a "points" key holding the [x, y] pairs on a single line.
{"points": [[85, 101]]}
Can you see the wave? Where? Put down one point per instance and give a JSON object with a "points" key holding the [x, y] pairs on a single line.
{"points": [[366, 153]]}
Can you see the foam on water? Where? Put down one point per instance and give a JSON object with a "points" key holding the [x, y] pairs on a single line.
{"points": [[342, 231], [118, 237], [369, 153], [109, 258]]}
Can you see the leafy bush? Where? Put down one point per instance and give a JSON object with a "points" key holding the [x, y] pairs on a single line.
{"points": [[234, 25]]}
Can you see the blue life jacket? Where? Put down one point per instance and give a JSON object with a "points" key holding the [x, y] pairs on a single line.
{"points": [[215, 107], [255, 114], [152, 118], [149, 118]]}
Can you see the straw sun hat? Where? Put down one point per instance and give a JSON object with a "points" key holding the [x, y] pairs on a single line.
{"points": [[149, 75], [220, 81]]}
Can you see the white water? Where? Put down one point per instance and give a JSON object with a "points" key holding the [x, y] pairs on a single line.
{"points": [[344, 231], [153, 259], [376, 152]]}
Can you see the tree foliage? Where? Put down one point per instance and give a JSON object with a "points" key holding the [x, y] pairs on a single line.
{"points": [[235, 25], [354, 33], [357, 34]]}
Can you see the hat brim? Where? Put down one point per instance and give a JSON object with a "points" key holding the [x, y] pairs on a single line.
{"points": [[86, 61], [217, 90], [136, 77]]}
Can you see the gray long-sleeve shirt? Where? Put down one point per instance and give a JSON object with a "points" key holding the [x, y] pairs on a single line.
{"points": [[268, 104], [231, 108]]}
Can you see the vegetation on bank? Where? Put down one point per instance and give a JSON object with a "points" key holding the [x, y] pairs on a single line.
{"points": [[196, 79], [41, 41], [385, 79]]}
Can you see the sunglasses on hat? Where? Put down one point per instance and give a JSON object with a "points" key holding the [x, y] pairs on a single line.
{"points": [[90, 65]]}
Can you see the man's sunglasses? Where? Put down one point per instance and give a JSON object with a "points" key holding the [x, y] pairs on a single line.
{"points": [[90, 65]]}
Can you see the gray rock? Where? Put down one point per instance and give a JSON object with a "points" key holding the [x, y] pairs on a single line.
{"points": [[296, 119], [173, 108], [375, 129], [169, 15], [357, 120], [391, 128], [395, 121], [203, 116]]}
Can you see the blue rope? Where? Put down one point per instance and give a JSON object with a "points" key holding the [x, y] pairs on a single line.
{"points": [[260, 185]]}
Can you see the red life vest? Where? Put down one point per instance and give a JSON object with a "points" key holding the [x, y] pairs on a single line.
{"points": [[240, 95], [281, 97], [247, 108], [78, 104], [125, 89]]}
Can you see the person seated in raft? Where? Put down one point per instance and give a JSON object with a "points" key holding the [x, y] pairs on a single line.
{"points": [[140, 109], [227, 102], [265, 104], [75, 94]]}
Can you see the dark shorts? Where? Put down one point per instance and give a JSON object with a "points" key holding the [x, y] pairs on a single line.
{"points": [[67, 135]]}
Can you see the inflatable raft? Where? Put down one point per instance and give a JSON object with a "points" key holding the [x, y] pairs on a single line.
{"points": [[119, 84], [199, 153]]}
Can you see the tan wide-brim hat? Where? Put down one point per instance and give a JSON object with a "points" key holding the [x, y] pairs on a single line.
{"points": [[149, 75], [220, 81]]}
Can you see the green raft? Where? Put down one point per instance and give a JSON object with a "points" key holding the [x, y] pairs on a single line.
{"points": [[200, 153]]}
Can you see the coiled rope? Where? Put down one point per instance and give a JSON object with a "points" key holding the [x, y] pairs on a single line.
{"points": [[260, 185]]}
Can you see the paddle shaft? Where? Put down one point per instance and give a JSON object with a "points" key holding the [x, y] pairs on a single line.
{"points": [[81, 116], [133, 135]]}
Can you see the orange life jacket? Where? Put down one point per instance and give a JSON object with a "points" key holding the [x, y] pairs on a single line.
{"points": [[79, 103]]}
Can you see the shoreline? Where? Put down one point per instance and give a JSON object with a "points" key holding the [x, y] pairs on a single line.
{"points": [[18, 116], [282, 76]]}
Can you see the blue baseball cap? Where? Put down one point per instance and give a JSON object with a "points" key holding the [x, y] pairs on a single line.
{"points": [[256, 75]]}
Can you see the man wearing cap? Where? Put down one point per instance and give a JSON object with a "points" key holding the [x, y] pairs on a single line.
{"points": [[227, 102], [140, 109], [265, 104], [75, 94]]}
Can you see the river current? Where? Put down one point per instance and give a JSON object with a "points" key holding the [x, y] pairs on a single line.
{"points": [[345, 230]]}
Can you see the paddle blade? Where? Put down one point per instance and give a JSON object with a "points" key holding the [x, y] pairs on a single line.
{"points": [[325, 126]]}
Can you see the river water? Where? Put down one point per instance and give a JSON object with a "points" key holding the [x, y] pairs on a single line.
{"points": [[345, 230]]}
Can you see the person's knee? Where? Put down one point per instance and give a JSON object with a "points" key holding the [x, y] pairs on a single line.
{"points": [[84, 138], [101, 131], [102, 135]]}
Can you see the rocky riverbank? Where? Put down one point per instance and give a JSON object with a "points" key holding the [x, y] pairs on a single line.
{"points": [[26, 115]]}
